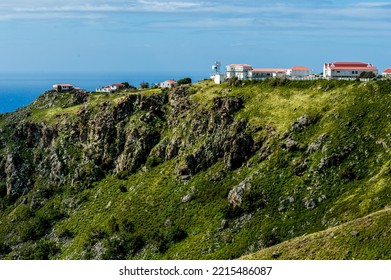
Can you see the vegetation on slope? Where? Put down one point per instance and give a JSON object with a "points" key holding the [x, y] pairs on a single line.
{"points": [[363, 238], [201, 172]]}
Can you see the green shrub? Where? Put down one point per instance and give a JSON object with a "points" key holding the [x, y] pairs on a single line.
{"points": [[113, 225], [153, 161], [126, 225], [184, 81], [4, 249], [44, 249], [66, 233]]}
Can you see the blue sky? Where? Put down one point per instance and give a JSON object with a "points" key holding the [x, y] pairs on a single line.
{"points": [[188, 36]]}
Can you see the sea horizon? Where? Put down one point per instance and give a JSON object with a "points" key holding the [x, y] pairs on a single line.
{"points": [[21, 89]]}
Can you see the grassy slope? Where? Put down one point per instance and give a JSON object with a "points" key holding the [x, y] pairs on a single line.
{"points": [[145, 209], [364, 238]]}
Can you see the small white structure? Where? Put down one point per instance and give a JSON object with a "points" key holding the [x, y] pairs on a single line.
{"points": [[106, 89], [240, 71], [299, 72], [62, 87], [168, 84], [347, 70], [111, 88], [387, 73], [218, 78]]}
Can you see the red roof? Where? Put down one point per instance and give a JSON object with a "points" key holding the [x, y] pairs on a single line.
{"points": [[171, 82], [118, 85], [64, 85], [268, 70], [241, 65], [387, 70], [350, 66], [300, 68]]}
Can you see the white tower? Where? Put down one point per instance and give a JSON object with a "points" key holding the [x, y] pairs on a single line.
{"points": [[217, 77], [216, 67]]}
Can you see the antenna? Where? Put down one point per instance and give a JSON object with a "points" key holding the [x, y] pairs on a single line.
{"points": [[216, 67]]}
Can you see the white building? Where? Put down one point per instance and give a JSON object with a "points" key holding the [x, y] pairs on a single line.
{"points": [[111, 88], [299, 72], [263, 73], [387, 73], [104, 89], [347, 70], [168, 84], [62, 87], [241, 71], [116, 87], [218, 78]]}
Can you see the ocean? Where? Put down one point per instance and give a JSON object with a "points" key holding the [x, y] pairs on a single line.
{"points": [[19, 90]]}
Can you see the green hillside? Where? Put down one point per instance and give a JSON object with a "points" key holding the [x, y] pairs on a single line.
{"points": [[200, 172], [363, 238]]}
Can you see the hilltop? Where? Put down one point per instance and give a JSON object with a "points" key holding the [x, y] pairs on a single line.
{"points": [[199, 172]]}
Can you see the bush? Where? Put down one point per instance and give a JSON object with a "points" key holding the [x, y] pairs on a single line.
{"points": [[43, 250], [184, 81], [136, 243], [122, 188], [128, 86], [153, 161], [119, 247], [35, 229], [126, 225], [230, 212], [66, 233], [113, 225], [116, 249], [4, 249], [144, 85], [234, 82], [123, 175]]}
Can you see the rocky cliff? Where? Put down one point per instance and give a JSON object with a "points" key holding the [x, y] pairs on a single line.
{"points": [[116, 137]]}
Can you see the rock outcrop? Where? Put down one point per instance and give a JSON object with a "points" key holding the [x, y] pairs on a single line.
{"points": [[120, 137]]}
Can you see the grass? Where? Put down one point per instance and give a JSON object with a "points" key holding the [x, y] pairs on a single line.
{"points": [[60, 109], [364, 238]]}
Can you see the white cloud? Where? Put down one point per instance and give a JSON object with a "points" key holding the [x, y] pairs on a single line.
{"points": [[373, 4], [118, 6], [48, 16], [240, 14], [168, 6]]}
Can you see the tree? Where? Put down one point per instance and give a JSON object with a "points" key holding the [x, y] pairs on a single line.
{"points": [[184, 81], [144, 85], [128, 86]]}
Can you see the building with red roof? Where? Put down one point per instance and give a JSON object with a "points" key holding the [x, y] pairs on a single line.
{"points": [[240, 71], [387, 73], [296, 72], [299, 72], [168, 84], [110, 88], [62, 87], [263, 73], [347, 70]]}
